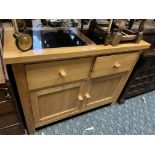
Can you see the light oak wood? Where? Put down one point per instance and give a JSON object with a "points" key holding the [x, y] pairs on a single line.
{"points": [[88, 95], [52, 73], [52, 88], [107, 65], [101, 90], [21, 81], [12, 55], [124, 80], [55, 102]]}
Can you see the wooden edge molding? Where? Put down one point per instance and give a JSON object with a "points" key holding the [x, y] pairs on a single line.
{"points": [[20, 77]]}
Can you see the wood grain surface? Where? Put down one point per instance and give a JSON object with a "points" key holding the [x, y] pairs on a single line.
{"points": [[12, 55]]}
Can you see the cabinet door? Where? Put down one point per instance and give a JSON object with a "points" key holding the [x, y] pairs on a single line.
{"points": [[55, 103], [104, 90]]}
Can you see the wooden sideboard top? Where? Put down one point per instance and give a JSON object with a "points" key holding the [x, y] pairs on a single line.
{"points": [[13, 55]]}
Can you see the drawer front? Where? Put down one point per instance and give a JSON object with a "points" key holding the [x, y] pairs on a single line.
{"points": [[113, 64], [6, 107], [52, 73], [8, 119]]}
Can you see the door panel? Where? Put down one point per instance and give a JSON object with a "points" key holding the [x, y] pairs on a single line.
{"points": [[52, 103], [102, 90]]}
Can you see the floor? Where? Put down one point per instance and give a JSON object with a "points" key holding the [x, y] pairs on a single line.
{"points": [[135, 117]]}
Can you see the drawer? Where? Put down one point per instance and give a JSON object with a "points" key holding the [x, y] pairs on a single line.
{"points": [[113, 64], [13, 130], [6, 107], [8, 119], [52, 73]]}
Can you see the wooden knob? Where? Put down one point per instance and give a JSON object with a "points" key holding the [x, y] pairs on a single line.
{"points": [[87, 95], [117, 65], [80, 98], [62, 73]]}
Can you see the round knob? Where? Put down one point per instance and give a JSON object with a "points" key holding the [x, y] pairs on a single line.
{"points": [[117, 65], [80, 98], [87, 95], [62, 73]]}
